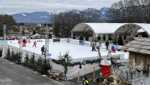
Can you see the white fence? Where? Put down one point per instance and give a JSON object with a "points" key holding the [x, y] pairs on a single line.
{"points": [[76, 42]]}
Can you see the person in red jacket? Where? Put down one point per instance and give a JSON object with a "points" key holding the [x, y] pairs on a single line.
{"points": [[24, 42], [113, 49]]}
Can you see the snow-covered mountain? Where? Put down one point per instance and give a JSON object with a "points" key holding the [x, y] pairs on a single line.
{"points": [[35, 17]]}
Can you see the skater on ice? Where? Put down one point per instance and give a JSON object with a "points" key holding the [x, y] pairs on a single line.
{"points": [[93, 46], [113, 48], [107, 45], [24, 42], [43, 50], [34, 44]]}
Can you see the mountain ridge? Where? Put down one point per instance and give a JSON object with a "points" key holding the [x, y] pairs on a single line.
{"points": [[34, 17]]}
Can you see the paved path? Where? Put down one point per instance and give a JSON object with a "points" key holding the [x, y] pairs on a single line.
{"points": [[12, 74]]}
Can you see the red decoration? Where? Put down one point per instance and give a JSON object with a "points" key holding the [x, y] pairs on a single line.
{"points": [[106, 70]]}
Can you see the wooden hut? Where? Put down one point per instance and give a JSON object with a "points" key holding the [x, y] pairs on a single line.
{"points": [[139, 53]]}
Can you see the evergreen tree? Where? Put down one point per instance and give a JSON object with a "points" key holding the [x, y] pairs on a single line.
{"points": [[65, 60], [1, 53], [39, 64], [26, 60], [45, 67], [32, 62], [7, 20], [32, 59], [8, 55], [18, 58]]}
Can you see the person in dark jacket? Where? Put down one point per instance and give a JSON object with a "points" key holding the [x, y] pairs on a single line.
{"points": [[43, 50], [107, 45]]}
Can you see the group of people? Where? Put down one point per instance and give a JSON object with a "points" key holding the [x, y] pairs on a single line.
{"points": [[24, 42], [108, 45]]}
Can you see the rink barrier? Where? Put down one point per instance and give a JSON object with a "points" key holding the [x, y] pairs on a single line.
{"points": [[70, 75], [57, 67]]}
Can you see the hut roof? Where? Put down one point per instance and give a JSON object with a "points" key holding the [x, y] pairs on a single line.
{"points": [[139, 45]]}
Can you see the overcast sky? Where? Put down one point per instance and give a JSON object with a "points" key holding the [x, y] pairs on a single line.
{"points": [[18, 6]]}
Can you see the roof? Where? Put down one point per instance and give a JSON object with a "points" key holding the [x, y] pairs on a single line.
{"points": [[146, 27], [134, 28], [109, 28], [105, 27], [139, 45], [98, 27], [141, 30]]}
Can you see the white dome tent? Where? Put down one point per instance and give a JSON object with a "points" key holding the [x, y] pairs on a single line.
{"points": [[109, 29]]}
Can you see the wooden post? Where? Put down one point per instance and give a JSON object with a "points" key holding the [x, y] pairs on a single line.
{"points": [[78, 76], [94, 73]]}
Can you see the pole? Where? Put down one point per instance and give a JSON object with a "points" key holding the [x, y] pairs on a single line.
{"points": [[47, 52], [46, 48], [78, 76], [94, 73], [4, 31], [99, 53]]}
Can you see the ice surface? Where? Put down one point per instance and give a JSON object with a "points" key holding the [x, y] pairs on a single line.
{"points": [[73, 48]]}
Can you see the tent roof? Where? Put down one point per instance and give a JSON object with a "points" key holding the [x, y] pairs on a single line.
{"points": [[146, 27], [104, 27], [141, 30], [107, 28]]}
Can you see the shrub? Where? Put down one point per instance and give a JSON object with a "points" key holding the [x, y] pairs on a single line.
{"points": [[1, 51]]}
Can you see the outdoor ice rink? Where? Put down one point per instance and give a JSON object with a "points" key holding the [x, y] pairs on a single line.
{"points": [[78, 52]]}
